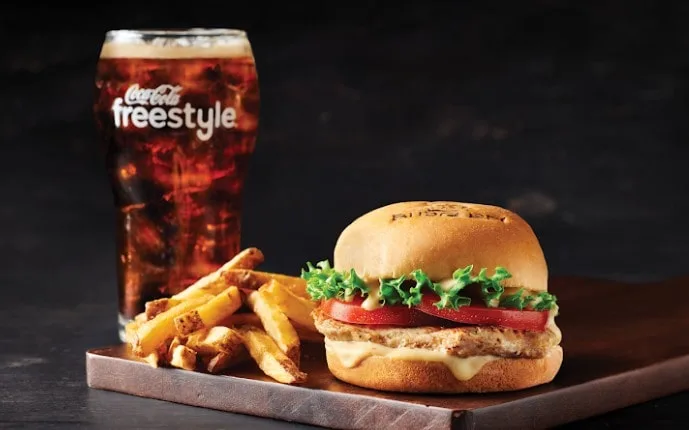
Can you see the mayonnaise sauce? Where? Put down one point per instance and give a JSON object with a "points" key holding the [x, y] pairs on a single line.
{"points": [[371, 302], [551, 326], [446, 284], [351, 354]]}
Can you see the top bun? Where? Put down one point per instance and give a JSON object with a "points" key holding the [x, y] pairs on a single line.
{"points": [[438, 238]]}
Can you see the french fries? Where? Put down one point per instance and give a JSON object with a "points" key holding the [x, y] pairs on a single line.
{"points": [[158, 306], [247, 318], [130, 331], [269, 358], [253, 280], [245, 260], [183, 357], [153, 359], [215, 340], [153, 333], [131, 327], [222, 361], [210, 313], [212, 283], [174, 343], [218, 362], [296, 308], [275, 324], [242, 318], [198, 329]]}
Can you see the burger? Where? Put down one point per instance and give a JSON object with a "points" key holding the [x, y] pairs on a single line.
{"points": [[437, 297]]}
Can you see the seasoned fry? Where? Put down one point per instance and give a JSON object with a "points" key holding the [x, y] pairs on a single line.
{"points": [[270, 359], [212, 283], [275, 324], [214, 341], [215, 282], [132, 326], [153, 359], [242, 318], [130, 331], [210, 313], [183, 357], [223, 361], [246, 318], [249, 258], [171, 348], [253, 279], [218, 362], [294, 307], [158, 306], [153, 333]]}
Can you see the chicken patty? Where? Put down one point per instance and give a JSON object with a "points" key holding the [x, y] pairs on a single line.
{"points": [[463, 341]]}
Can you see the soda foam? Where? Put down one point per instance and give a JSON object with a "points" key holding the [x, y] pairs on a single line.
{"points": [[171, 45]]}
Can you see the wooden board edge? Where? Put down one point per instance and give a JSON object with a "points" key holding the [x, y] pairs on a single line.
{"points": [[261, 398], [586, 400]]}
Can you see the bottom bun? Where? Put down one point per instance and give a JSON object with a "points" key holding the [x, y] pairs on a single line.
{"points": [[504, 374]]}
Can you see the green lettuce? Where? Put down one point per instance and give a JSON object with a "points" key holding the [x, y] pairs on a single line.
{"points": [[323, 282]]}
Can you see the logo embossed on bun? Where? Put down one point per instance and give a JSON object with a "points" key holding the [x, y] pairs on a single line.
{"points": [[446, 209]]}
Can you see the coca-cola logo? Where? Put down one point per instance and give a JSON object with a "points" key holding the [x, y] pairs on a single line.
{"points": [[159, 108], [164, 95]]}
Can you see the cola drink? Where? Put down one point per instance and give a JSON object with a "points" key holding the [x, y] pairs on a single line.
{"points": [[178, 115]]}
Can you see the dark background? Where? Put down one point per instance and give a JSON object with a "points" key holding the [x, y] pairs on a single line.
{"points": [[573, 114]]}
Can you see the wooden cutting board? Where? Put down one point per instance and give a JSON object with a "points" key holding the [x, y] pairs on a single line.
{"points": [[624, 344]]}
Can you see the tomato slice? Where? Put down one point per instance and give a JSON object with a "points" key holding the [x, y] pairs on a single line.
{"points": [[481, 315], [426, 314], [352, 312]]}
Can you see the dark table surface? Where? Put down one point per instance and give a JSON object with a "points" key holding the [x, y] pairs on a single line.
{"points": [[577, 122]]}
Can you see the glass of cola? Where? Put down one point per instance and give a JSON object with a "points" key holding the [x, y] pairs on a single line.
{"points": [[178, 114]]}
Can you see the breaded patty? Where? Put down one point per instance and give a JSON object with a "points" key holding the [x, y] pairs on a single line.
{"points": [[463, 341]]}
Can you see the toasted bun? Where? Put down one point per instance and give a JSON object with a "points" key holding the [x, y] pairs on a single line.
{"points": [[505, 374], [440, 237]]}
